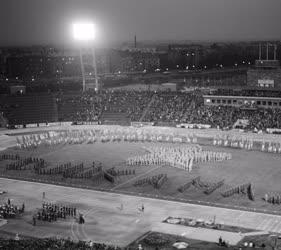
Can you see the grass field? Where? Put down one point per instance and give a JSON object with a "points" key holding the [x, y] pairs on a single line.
{"points": [[168, 241], [261, 169], [265, 242], [106, 222]]}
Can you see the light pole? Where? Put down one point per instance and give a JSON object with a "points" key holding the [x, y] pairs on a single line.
{"points": [[86, 32], [95, 69], [82, 70]]}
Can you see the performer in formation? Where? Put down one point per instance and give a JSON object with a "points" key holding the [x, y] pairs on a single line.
{"points": [[14, 157], [51, 212], [271, 147], [9, 210], [177, 156], [234, 142], [24, 163], [248, 143]]}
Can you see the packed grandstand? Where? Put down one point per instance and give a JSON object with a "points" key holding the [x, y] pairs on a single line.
{"points": [[124, 106]]}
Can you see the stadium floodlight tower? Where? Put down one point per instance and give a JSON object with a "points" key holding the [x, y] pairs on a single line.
{"points": [[85, 32]]}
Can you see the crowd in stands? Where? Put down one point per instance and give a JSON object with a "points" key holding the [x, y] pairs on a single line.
{"points": [[161, 107], [189, 108], [84, 107], [225, 117], [132, 103], [90, 105], [166, 106], [52, 243], [169, 106]]}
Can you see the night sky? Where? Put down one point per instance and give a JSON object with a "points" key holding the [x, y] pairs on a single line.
{"points": [[25, 22]]}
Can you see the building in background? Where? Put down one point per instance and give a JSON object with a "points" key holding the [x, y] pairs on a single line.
{"points": [[263, 86], [133, 61], [66, 63], [267, 72], [184, 56], [48, 62], [59, 64], [2, 64]]}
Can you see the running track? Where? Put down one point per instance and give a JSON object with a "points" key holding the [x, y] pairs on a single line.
{"points": [[107, 222]]}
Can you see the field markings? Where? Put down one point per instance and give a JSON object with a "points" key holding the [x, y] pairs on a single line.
{"points": [[276, 226], [262, 224], [143, 197], [267, 224], [82, 227], [74, 237], [76, 225], [270, 225], [252, 223], [238, 218], [134, 178]]}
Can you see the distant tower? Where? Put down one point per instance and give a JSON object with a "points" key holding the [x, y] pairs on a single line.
{"points": [[135, 41]]}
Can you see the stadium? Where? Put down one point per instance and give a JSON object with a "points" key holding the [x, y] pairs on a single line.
{"points": [[122, 166]]}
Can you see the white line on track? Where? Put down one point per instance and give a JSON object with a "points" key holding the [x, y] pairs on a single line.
{"points": [[275, 226], [262, 224], [74, 237], [266, 225], [142, 197], [257, 217], [279, 227]]}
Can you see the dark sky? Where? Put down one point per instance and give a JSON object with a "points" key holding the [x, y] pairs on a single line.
{"points": [[48, 21]]}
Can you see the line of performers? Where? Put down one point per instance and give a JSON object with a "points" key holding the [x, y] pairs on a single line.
{"points": [[234, 142], [271, 147], [13, 157], [24, 163], [248, 144], [89, 136]]}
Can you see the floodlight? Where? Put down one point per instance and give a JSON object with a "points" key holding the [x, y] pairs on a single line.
{"points": [[84, 31]]}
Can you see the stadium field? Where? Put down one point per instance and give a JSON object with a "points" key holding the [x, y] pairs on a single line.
{"points": [[107, 222], [260, 169]]}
